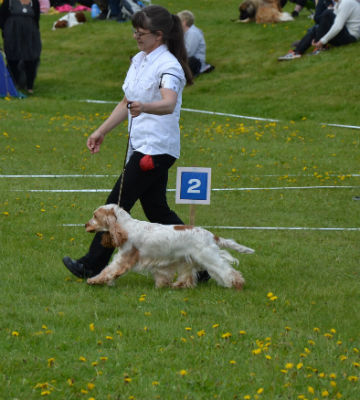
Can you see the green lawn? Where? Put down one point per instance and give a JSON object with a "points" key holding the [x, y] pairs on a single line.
{"points": [[294, 331]]}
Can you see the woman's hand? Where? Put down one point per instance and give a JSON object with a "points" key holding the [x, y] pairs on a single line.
{"points": [[135, 108], [94, 141], [318, 45]]}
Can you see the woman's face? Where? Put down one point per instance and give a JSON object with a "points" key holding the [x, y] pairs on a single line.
{"points": [[147, 41]]}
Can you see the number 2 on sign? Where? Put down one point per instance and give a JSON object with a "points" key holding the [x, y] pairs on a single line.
{"points": [[194, 184]]}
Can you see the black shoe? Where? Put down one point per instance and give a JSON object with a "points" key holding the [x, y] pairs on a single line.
{"points": [[76, 268], [208, 69], [295, 14], [203, 276]]}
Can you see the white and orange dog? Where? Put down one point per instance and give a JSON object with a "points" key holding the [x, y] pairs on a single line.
{"points": [[163, 251]]}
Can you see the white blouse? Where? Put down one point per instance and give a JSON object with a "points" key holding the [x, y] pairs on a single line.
{"points": [[154, 134]]}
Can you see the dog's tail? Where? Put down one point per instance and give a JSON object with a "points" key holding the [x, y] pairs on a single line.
{"points": [[231, 244]]}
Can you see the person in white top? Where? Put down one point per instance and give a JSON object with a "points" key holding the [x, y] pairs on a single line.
{"points": [[337, 27], [194, 43], [153, 93]]}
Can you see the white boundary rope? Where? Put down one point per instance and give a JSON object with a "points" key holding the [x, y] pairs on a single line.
{"points": [[173, 190], [257, 228], [228, 115], [54, 176]]}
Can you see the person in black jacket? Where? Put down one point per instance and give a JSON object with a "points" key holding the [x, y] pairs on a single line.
{"points": [[19, 21]]}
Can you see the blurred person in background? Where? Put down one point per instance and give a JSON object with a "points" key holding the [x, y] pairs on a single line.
{"points": [[19, 22]]}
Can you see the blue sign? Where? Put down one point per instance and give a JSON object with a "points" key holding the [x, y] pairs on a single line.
{"points": [[193, 185]]}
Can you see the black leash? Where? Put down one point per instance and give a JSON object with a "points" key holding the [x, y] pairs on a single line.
{"points": [[126, 152]]}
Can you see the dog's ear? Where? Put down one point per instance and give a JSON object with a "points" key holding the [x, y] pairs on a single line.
{"points": [[106, 240], [118, 235]]}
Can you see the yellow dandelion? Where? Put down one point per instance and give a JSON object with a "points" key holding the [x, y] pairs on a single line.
{"points": [[94, 363], [333, 384], [324, 393], [103, 358], [216, 326], [127, 379], [109, 337], [232, 362], [270, 294], [299, 365], [343, 357], [83, 359], [268, 357], [332, 375], [84, 391], [311, 390], [256, 351], [188, 328], [242, 332], [45, 392], [92, 327], [260, 390], [353, 378], [356, 364], [90, 386], [201, 333], [226, 335], [289, 365], [321, 375], [15, 333], [155, 383], [70, 382], [287, 328], [247, 397], [183, 372], [51, 361]]}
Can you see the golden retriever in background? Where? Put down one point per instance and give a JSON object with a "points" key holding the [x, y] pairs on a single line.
{"points": [[262, 12]]}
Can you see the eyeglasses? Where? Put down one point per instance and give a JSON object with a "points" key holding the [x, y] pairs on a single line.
{"points": [[139, 35]]}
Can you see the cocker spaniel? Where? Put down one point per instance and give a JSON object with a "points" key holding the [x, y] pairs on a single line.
{"points": [[165, 251], [263, 12]]}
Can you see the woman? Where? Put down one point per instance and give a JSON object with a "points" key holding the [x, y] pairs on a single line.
{"points": [[152, 101], [19, 21]]}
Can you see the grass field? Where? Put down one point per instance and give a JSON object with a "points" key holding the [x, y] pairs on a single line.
{"points": [[294, 331]]}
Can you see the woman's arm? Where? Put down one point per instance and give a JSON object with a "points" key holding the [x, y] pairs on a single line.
{"points": [[161, 107], [118, 115]]}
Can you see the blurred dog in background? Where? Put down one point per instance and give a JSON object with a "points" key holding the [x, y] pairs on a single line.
{"points": [[262, 12]]}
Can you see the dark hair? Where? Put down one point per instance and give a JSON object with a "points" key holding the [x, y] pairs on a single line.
{"points": [[157, 18]]}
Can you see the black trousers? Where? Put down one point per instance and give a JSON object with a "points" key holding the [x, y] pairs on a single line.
{"points": [[29, 69], [147, 186], [195, 66], [318, 31]]}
